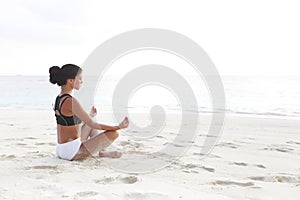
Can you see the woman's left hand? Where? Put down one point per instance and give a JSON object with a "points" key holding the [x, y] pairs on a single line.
{"points": [[124, 123], [93, 112]]}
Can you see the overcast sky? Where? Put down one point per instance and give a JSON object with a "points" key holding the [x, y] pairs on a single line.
{"points": [[242, 37]]}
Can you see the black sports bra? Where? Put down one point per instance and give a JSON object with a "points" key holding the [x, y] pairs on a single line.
{"points": [[62, 119]]}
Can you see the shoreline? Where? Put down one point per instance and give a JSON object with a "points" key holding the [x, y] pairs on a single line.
{"points": [[232, 114]]}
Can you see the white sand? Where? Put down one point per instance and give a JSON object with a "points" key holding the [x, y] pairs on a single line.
{"points": [[256, 158]]}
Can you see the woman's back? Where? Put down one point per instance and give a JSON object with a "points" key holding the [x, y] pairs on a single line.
{"points": [[68, 125]]}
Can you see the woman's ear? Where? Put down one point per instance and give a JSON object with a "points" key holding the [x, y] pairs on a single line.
{"points": [[70, 81]]}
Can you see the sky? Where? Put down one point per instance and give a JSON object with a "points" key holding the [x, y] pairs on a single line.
{"points": [[257, 37]]}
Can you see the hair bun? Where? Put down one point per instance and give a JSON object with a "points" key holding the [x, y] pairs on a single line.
{"points": [[54, 73]]}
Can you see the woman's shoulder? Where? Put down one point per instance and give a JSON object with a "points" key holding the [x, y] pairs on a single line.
{"points": [[73, 100]]}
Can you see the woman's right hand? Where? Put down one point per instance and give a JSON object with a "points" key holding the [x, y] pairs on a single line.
{"points": [[124, 123], [93, 112]]}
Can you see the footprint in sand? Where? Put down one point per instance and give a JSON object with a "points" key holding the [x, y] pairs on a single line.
{"points": [[42, 171], [114, 180], [105, 180], [279, 179], [30, 138], [189, 166], [21, 144], [124, 143], [85, 194], [193, 166], [138, 195], [240, 163], [249, 138], [284, 149], [131, 144], [209, 155], [228, 144], [7, 157], [204, 135], [52, 167], [247, 184], [197, 145], [46, 143], [173, 144], [14, 139], [293, 142], [129, 179], [279, 149], [208, 169], [178, 145], [10, 124], [245, 164], [242, 142], [260, 166]]}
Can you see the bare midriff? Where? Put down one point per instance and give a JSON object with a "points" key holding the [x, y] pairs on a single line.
{"points": [[68, 133]]}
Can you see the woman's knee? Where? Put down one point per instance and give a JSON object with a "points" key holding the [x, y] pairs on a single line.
{"points": [[82, 153], [112, 135]]}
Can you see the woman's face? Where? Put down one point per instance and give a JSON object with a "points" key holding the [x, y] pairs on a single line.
{"points": [[77, 82]]}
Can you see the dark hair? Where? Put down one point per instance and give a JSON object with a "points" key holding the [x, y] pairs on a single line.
{"points": [[61, 75]]}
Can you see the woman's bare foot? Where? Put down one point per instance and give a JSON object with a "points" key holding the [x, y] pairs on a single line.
{"points": [[110, 154]]}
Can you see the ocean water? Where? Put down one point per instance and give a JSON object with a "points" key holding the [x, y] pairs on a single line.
{"points": [[269, 96]]}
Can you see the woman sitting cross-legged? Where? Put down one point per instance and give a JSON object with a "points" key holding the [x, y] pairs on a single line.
{"points": [[78, 135]]}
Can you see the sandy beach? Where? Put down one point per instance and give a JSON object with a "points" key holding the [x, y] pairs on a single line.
{"points": [[255, 158]]}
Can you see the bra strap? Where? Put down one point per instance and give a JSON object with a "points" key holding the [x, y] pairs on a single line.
{"points": [[59, 107]]}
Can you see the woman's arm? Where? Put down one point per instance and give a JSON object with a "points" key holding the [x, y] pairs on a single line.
{"points": [[92, 114], [84, 116]]}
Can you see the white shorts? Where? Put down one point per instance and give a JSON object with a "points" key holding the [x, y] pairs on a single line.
{"points": [[69, 149]]}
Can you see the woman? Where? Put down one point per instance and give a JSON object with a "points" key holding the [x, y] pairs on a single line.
{"points": [[77, 133]]}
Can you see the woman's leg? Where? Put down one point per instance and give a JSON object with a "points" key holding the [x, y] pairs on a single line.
{"points": [[97, 143], [87, 132]]}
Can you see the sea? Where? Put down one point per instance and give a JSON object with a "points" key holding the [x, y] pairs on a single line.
{"points": [[265, 96]]}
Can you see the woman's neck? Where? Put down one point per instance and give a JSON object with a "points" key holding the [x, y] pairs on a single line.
{"points": [[66, 90]]}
